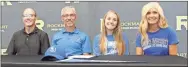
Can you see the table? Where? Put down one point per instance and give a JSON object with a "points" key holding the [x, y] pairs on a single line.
{"points": [[35, 61]]}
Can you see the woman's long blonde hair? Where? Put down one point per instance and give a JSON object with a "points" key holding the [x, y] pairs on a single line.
{"points": [[117, 33], [143, 27]]}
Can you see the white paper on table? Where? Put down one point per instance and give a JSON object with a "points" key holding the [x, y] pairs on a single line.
{"points": [[80, 57], [85, 58], [99, 61]]}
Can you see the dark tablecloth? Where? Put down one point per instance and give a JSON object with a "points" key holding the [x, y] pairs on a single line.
{"points": [[35, 61]]}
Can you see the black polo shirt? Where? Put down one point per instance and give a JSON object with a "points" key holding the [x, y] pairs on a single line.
{"points": [[35, 43]]}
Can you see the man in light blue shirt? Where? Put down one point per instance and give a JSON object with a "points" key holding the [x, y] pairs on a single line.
{"points": [[74, 43], [72, 40]]}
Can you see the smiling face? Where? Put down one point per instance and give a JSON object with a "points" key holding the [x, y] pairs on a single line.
{"points": [[111, 21], [29, 17], [69, 17], [152, 16]]}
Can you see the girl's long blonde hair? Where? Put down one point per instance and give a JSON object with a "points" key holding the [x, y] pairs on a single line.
{"points": [[143, 27], [117, 33]]}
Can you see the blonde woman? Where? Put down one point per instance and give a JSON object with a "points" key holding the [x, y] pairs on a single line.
{"points": [[111, 41], [155, 37]]}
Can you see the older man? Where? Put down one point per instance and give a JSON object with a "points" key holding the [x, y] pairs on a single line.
{"points": [[70, 40]]}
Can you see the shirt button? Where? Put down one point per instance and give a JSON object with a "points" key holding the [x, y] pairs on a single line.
{"points": [[27, 37]]}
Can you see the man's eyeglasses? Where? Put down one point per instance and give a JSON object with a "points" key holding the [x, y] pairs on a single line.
{"points": [[29, 15], [71, 15]]}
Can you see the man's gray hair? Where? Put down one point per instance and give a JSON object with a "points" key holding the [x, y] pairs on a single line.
{"points": [[66, 8]]}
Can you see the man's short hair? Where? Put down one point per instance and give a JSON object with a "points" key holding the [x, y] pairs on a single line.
{"points": [[67, 7]]}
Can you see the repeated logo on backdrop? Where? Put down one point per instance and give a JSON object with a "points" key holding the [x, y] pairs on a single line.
{"points": [[5, 2], [3, 28], [181, 22]]}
